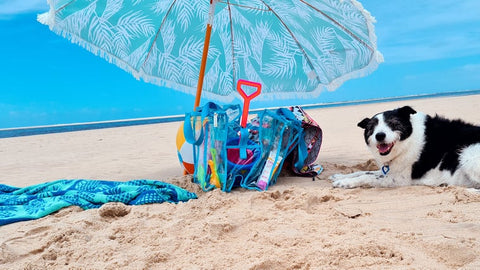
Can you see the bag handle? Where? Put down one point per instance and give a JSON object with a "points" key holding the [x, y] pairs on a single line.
{"points": [[242, 145], [188, 125], [188, 132]]}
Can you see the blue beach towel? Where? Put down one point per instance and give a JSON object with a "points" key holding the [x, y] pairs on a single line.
{"points": [[19, 204]]}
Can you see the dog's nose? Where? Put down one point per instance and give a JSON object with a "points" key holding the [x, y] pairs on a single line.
{"points": [[380, 136]]}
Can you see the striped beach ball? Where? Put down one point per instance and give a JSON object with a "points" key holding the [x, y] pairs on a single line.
{"points": [[184, 152]]}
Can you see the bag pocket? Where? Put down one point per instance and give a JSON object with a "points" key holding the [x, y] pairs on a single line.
{"points": [[276, 136], [207, 129]]}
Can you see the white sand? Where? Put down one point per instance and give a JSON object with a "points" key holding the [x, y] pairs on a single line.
{"points": [[297, 224]]}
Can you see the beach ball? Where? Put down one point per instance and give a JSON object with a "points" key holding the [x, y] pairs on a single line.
{"points": [[185, 152]]}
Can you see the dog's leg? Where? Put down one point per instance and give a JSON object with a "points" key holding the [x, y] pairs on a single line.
{"points": [[340, 176], [363, 179]]}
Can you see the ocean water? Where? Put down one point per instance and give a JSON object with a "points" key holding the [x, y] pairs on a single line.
{"points": [[36, 130]]}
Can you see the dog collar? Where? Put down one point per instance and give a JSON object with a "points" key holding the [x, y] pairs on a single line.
{"points": [[385, 169]]}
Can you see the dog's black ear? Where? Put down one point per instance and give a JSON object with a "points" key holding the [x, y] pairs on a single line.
{"points": [[363, 124], [406, 110]]}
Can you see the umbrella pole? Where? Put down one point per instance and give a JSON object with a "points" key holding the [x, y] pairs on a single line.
{"points": [[205, 54], [202, 66]]}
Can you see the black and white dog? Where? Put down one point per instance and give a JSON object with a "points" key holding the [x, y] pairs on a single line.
{"points": [[413, 148]]}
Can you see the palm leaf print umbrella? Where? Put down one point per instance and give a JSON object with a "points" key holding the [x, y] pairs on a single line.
{"points": [[293, 48]]}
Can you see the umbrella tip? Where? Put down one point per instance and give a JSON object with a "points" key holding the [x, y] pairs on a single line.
{"points": [[45, 18]]}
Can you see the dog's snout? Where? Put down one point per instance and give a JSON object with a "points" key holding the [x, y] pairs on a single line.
{"points": [[380, 136]]}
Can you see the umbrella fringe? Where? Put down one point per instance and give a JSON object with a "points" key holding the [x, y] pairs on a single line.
{"points": [[48, 18], [333, 85], [372, 66], [377, 56], [370, 20]]}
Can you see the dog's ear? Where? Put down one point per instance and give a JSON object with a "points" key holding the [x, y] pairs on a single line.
{"points": [[363, 124], [406, 111]]}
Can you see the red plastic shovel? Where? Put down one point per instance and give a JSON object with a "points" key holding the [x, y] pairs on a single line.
{"points": [[247, 98]]}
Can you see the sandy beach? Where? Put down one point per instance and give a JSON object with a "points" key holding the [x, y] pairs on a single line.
{"points": [[297, 224]]}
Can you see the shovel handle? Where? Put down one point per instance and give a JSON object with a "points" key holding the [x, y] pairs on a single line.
{"points": [[247, 98]]}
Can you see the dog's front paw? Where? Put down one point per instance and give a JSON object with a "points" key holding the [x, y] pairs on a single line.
{"points": [[342, 181], [337, 176], [345, 183]]}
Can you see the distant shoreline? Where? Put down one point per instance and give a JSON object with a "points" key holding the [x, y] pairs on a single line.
{"points": [[38, 130]]}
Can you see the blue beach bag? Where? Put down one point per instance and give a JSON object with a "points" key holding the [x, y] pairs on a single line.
{"points": [[278, 134]]}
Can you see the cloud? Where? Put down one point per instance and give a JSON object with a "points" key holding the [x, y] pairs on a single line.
{"points": [[431, 46], [452, 77], [471, 69], [412, 31], [15, 7], [411, 15]]}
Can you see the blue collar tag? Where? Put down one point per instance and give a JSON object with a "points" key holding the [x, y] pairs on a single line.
{"points": [[385, 169]]}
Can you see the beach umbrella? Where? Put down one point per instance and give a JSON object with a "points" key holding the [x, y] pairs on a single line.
{"points": [[293, 48]]}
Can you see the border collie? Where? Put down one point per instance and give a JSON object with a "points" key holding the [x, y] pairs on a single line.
{"points": [[413, 148]]}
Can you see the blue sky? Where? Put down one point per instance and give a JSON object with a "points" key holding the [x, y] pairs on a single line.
{"points": [[429, 47]]}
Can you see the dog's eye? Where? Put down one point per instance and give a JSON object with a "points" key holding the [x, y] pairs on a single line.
{"points": [[372, 124], [370, 127], [395, 124]]}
